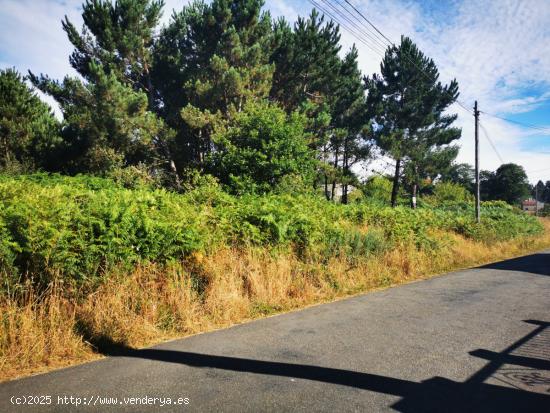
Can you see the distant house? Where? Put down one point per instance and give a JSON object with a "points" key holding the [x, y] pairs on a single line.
{"points": [[531, 206]]}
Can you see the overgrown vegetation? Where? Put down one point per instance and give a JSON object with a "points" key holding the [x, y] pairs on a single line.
{"points": [[225, 89], [88, 263], [205, 172], [75, 230]]}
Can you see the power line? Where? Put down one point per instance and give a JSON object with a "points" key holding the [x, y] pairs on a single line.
{"points": [[368, 21], [380, 41], [378, 46], [345, 27], [526, 125], [461, 104], [491, 142], [373, 43]]}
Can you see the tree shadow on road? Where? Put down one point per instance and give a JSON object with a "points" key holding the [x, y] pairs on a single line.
{"points": [[535, 264], [436, 394]]}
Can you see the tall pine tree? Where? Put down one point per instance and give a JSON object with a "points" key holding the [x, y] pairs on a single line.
{"points": [[409, 103], [109, 118], [538, 191], [310, 75], [29, 133], [119, 36], [349, 118], [106, 123], [209, 62], [306, 60]]}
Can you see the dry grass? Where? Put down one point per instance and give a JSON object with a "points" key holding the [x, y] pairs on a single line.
{"points": [[207, 292]]}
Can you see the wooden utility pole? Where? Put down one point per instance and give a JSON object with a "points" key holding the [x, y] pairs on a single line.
{"points": [[537, 199], [476, 116]]}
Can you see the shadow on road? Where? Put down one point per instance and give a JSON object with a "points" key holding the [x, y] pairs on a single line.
{"points": [[433, 395], [535, 264]]}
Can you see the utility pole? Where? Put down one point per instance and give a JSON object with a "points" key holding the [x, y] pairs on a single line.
{"points": [[476, 116], [537, 200]]}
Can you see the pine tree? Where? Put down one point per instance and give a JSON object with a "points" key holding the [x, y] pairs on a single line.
{"points": [[113, 56], [310, 75], [538, 191], [306, 60], [349, 117], [107, 124], [408, 103], [119, 36], [546, 196], [29, 133], [216, 57], [429, 165]]}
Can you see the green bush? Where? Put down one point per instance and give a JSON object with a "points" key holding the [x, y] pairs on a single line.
{"points": [[262, 146], [545, 212], [449, 193], [64, 228], [378, 189], [76, 229]]}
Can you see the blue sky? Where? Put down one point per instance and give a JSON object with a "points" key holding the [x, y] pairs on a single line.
{"points": [[499, 51]]}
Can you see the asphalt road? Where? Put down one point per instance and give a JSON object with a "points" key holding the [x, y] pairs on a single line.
{"points": [[473, 340]]}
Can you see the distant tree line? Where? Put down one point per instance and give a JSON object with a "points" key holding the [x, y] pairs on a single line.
{"points": [[541, 192], [508, 183], [225, 90]]}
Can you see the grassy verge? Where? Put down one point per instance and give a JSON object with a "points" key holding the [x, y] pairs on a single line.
{"points": [[43, 329]]}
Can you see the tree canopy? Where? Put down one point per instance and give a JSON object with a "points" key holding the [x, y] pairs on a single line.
{"points": [[408, 102], [508, 183], [226, 90], [29, 131]]}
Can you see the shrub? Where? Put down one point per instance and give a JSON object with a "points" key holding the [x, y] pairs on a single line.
{"points": [[76, 229], [378, 189], [260, 148], [58, 229], [449, 193]]}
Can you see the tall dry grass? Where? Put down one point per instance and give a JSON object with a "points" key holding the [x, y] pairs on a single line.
{"points": [[57, 328]]}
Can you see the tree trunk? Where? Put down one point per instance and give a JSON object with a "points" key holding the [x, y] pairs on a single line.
{"points": [[327, 196], [345, 168], [175, 173], [395, 188], [335, 169], [150, 99], [172, 164], [414, 187], [150, 94], [6, 149], [344, 193]]}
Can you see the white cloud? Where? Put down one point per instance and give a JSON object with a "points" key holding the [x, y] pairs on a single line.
{"points": [[524, 104], [31, 36], [497, 55], [281, 8]]}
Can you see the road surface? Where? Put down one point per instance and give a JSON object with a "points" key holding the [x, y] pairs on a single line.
{"points": [[472, 340]]}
